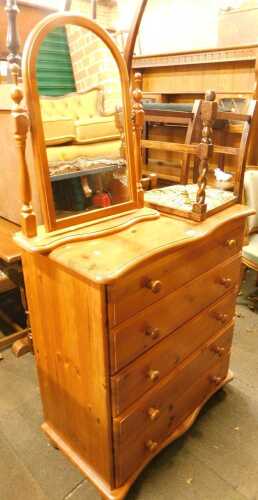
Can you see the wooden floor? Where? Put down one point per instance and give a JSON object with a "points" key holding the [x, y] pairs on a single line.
{"points": [[216, 460]]}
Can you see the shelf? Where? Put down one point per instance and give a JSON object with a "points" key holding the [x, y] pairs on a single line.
{"points": [[81, 173]]}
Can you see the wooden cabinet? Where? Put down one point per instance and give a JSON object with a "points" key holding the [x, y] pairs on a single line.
{"points": [[132, 311], [130, 344]]}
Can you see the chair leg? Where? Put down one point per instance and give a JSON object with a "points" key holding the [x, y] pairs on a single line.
{"points": [[25, 344]]}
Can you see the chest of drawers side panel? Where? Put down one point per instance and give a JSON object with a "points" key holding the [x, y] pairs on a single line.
{"points": [[68, 317]]}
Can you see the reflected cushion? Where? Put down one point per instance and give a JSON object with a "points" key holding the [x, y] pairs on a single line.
{"points": [[58, 130], [73, 106], [96, 129], [82, 105]]}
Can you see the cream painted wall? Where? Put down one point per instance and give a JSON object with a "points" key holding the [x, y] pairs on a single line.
{"points": [[174, 25]]}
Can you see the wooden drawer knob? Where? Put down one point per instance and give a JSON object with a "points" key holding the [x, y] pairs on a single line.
{"points": [[231, 243], [215, 380], [218, 350], [153, 413], [154, 333], [226, 282], [223, 317], [154, 285], [151, 445], [153, 375]]}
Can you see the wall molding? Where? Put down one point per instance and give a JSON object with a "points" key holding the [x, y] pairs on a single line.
{"points": [[209, 56]]}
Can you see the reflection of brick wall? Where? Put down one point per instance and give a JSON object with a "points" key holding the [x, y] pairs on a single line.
{"points": [[107, 12], [92, 62]]}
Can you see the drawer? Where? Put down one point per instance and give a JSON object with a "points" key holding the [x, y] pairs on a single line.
{"points": [[155, 417], [137, 290], [136, 335], [147, 371]]}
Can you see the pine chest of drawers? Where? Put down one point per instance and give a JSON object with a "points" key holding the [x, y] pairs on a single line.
{"points": [[132, 335]]}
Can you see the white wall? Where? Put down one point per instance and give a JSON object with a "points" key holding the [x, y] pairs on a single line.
{"points": [[174, 25], [55, 4]]}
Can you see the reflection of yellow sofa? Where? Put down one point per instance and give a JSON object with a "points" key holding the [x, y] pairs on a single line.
{"points": [[76, 126], [81, 141]]}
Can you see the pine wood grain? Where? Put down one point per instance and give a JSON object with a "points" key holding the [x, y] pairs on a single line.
{"points": [[136, 431], [130, 294], [69, 335], [203, 325], [145, 243], [185, 304]]}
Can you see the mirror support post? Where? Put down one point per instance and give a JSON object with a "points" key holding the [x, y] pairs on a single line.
{"points": [[138, 122], [21, 126]]}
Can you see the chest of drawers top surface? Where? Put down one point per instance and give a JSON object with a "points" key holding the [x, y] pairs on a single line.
{"points": [[107, 258]]}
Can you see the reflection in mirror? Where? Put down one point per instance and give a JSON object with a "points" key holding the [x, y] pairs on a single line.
{"points": [[82, 117], [115, 16]]}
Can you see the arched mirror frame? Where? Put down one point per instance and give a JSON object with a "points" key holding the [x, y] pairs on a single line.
{"points": [[31, 50]]}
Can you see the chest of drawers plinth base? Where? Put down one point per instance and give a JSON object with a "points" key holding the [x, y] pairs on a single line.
{"points": [[120, 493]]}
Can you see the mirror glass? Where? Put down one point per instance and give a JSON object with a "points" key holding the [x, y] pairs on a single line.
{"points": [[115, 16], [82, 116]]}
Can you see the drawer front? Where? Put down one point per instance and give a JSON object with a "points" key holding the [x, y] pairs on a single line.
{"points": [[150, 283], [147, 371], [136, 335], [144, 431]]}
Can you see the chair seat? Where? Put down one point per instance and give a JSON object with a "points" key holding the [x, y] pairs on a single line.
{"points": [[250, 251], [164, 107], [182, 197]]}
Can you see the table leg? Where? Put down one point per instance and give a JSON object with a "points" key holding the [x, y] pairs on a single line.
{"points": [[25, 344]]}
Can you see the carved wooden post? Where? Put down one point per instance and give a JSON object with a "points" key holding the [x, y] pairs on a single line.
{"points": [[12, 38], [21, 123], [208, 115], [138, 122]]}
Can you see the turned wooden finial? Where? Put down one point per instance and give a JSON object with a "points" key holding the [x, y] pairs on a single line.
{"points": [[138, 81], [12, 37], [210, 95], [21, 126], [138, 122], [208, 115]]}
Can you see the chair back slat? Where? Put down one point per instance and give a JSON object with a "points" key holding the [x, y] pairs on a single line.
{"points": [[232, 116]]}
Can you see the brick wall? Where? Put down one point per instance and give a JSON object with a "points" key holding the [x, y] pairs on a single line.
{"points": [[92, 61]]}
